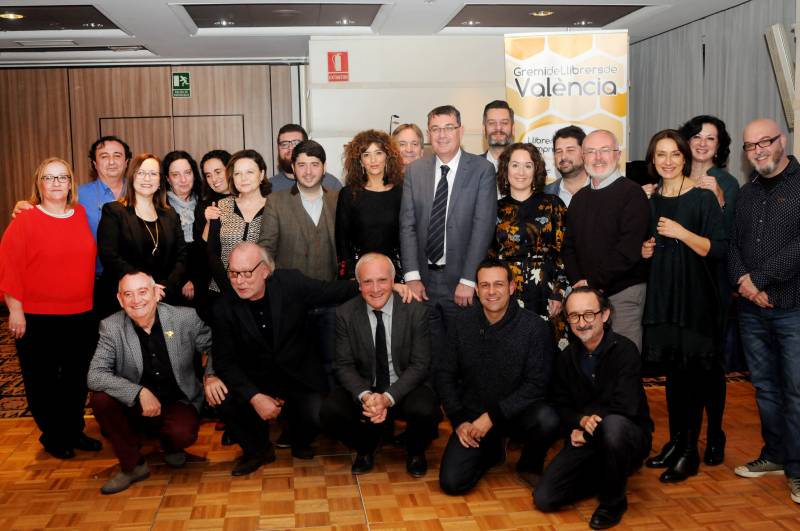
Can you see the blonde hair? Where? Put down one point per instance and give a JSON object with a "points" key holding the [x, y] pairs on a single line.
{"points": [[36, 193]]}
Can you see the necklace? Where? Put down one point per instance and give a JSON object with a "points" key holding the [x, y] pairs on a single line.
{"points": [[155, 240]]}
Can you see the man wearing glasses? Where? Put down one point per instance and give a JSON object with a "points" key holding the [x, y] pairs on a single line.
{"points": [[597, 391], [607, 222], [764, 262], [447, 219], [288, 137]]}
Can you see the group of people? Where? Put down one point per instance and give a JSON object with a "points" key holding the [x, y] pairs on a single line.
{"points": [[453, 281]]}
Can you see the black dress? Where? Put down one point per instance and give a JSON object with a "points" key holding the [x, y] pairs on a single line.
{"points": [[682, 310], [367, 222]]}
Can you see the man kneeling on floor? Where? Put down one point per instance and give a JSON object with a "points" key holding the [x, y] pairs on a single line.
{"points": [[492, 380], [143, 378], [597, 391]]}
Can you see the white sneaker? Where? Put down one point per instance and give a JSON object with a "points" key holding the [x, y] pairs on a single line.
{"points": [[757, 468], [794, 489]]}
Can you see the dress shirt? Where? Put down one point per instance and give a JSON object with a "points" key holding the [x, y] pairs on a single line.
{"points": [[565, 195], [607, 181], [387, 325], [312, 206], [491, 159]]}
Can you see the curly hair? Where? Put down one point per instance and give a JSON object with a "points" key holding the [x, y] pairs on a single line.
{"points": [[695, 125], [539, 170], [356, 175]]}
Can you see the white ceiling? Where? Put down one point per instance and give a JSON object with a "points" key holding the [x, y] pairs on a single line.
{"points": [[166, 30]]}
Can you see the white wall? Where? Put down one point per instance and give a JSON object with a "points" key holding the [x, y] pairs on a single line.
{"points": [[407, 76]]}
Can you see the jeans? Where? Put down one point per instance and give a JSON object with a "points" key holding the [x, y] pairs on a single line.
{"points": [[771, 341]]}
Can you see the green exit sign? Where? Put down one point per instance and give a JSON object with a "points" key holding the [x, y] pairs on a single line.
{"points": [[181, 85]]}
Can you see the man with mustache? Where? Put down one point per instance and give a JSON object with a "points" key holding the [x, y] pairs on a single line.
{"points": [[597, 391], [607, 222], [764, 261], [568, 158], [498, 129]]}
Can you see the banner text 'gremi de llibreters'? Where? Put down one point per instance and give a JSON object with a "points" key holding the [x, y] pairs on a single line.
{"points": [[557, 79]]}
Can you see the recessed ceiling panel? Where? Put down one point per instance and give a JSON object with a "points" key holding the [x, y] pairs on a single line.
{"points": [[53, 18], [281, 15], [539, 16]]}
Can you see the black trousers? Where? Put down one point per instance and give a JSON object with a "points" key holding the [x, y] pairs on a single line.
{"points": [[601, 466], [252, 433], [341, 418], [54, 356], [537, 427]]}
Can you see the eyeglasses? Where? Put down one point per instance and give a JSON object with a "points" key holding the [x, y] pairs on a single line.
{"points": [[448, 129], [588, 316], [750, 146], [602, 151], [286, 144], [143, 173], [233, 275], [52, 178]]}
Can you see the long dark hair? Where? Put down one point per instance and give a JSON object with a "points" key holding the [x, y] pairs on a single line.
{"points": [[695, 125], [539, 171], [356, 175], [171, 157]]}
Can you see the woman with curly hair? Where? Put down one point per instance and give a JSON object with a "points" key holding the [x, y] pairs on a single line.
{"points": [[529, 234], [368, 208]]}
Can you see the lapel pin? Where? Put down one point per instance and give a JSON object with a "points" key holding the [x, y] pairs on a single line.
{"points": [[169, 333]]}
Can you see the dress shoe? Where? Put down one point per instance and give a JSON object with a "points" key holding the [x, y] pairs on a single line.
{"points": [[302, 452], [665, 457], [248, 464], [416, 465], [175, 459], [87, 444], [363, 463], [123, 480], [227, 440], [284, 439], [606, 516], [715, 450], [686, 465], [60, 452]]}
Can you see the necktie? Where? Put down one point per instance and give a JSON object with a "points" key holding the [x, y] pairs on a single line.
{"points": [[381, 355], [435, 245]]}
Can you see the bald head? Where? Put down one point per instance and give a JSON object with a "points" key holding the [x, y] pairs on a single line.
{"points": [[765, 147], [249, 265]]}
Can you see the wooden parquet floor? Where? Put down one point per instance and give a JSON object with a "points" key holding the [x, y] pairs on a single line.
{"points": [[39, 492]]}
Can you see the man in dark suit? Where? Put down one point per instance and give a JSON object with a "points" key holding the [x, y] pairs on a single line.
{"points": [[597, 391], [143, 378], [447, 221], [382, 361]]}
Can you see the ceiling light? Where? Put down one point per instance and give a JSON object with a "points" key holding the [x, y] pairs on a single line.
{"points": [[541, 13], [11, 16], [286, 12], [92, 25], [471, 23], [344, 21], [583, 23], [222, 22]]}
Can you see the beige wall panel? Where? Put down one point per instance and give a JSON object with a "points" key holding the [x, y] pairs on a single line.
{"points": [[152, 135], [200, 134], [34, 125], [281, 91], [97, 93], [233, 89]]}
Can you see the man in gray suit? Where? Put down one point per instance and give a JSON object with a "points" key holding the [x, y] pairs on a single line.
{"points": [[447, 220], [143, 378], [383, 358], [568, 158]]}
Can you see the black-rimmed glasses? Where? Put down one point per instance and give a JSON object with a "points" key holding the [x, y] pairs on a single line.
{"points": [[588, 316], [233, 275], [750, 146]]}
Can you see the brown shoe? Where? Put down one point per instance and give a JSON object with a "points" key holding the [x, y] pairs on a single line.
{"points": [[123, 480]]}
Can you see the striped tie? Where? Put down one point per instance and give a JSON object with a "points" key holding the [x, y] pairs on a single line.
{"points": [[435, 246]]}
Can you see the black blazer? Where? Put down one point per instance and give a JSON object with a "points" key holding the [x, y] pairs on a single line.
{"points": [[239, 348], [121, 245], [355, 347]]}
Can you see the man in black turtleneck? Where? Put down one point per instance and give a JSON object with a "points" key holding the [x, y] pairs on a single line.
{"points": [[492, 380]]}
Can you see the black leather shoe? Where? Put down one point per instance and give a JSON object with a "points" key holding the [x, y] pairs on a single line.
{"points": [[685, 466], [606, 516], [284, 439], [87, 444], [416, 465], [248, 464], [363, 463], [302, 452], [665, 457], [715, 450], [60, 452], [227, 440]]}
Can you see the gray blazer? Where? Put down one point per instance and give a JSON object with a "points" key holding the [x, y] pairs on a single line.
{"points": [[284, 232], [116, 367], [471, 217], [355, 348]]}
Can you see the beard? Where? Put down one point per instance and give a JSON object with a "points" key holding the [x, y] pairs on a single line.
{"points": [[769, 166], [285, 166], [499, 139], [600, 176]]}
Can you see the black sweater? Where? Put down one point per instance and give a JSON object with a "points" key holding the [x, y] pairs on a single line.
{"points": [[617, 388], [603, 240], [499, 368]]}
